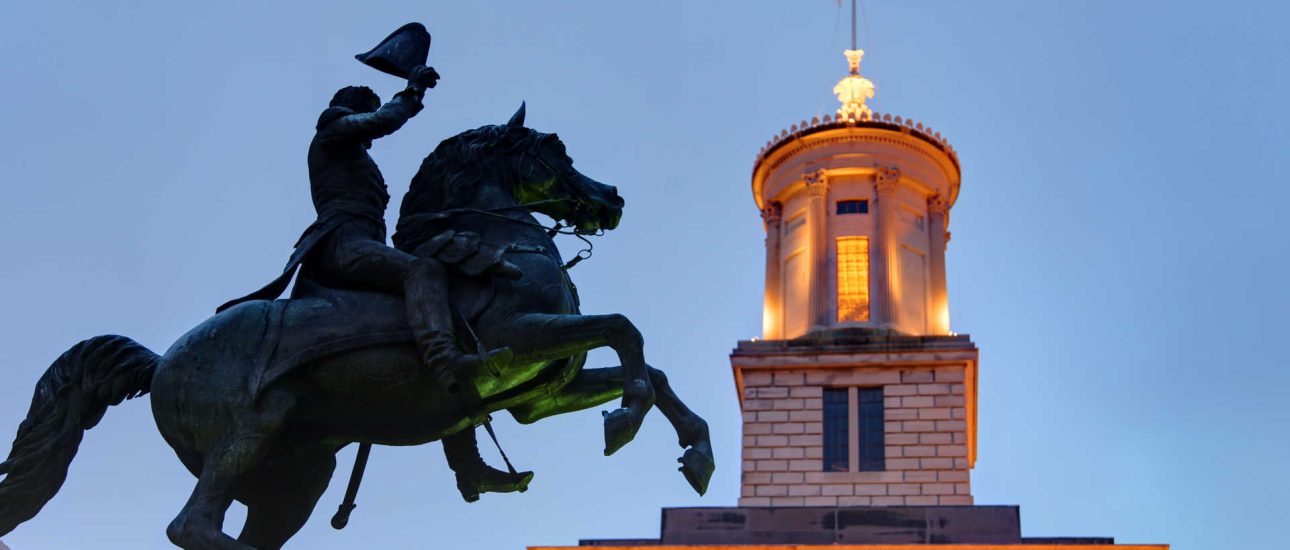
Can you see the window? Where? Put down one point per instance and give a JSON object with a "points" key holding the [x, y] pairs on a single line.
{"points": [[836, 429], [870, 432], [854, 413], [853, 279], [853, 207]]}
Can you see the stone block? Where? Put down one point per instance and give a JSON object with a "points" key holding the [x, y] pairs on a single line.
{"points": [[837, 490], [894, 427], [917, 376], [938, 488], [919, 426], [756, 478], [899, 390], [962, 489], [803, 490], [767, 392], [787, 501], [914, 402], [772, 465], [900, 414], [758, 404], [757, 453], [757, 428], [750, 465], [904, 489], [919, 450], [877, 489], [888, 501], [903, 439], [933, 389], [794, 378], [789, 404], [805, 416], [952, 475], [892, 451], [804, 465], [772, 440], [919, 476], [956, 500], [922, 500], [941, 413], [754, 501], [951, 450], [950, 425], [790, 428], [958, 389], [813, 403], [903, 464], [950, 400], [961, 463], [772, 416], [814, 452], [750, 416], [806, 391], [786, 478], [771, 491], [855, 501], [889, 403], [935, 438], [808, 440], [949, 374], [935, 463], [757, 378], [788, 452], [959, 413], [820, 501]]}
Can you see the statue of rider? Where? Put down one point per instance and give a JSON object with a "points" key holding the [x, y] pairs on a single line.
{"points": [[345, 248]]}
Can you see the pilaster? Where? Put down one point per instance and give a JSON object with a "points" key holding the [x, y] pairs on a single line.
{"points": [[772, 312], [939, 308], [817, 186], [882, 308]]}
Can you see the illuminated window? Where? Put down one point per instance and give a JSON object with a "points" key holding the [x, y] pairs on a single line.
{"points": [[836, 430], [853, 279], [853, 207]]}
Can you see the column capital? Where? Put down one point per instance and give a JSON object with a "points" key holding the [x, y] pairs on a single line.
{"points": [[886, 177], [937, 205], [772, 213], [817, 182]]}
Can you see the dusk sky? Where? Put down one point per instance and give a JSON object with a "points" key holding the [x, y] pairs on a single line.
{"points": [[1117, 252]]}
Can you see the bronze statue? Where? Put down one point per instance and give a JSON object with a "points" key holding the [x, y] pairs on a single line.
{"points": [[257, 400]]}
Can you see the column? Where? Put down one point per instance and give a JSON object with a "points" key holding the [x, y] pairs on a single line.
{"points": [[772, 323], [817, 218], [883, 249], [939, 308]]}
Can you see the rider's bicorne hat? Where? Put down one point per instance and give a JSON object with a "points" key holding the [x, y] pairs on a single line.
{"points": [[400, 52]]}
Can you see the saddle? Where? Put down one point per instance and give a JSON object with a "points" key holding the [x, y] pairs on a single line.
{"points": [[318, 322]]}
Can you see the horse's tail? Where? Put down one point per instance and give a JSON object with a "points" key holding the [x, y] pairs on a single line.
{"points": [[70, 398]]}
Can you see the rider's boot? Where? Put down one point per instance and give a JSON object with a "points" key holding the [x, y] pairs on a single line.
{"points": [[473, 475], [426, 291]]}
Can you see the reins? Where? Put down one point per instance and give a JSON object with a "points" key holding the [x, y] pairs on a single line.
{"points": [[557, 229]]}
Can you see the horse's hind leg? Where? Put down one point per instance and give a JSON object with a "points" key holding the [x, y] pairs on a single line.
{"points": [[199, 526], [538, 336], [281, 495], [592, 387]]}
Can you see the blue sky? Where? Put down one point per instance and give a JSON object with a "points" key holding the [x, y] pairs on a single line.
{"points": [[1117, 248]]}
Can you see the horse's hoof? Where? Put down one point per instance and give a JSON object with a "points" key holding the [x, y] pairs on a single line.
{"points": [[620, 429], [697, 467]]}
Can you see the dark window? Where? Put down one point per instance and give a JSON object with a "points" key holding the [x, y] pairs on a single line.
{"points": [[853, 207], [836, 457], [869, 414]]}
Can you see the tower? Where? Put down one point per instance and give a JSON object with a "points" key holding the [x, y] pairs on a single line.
{"points": [[857, 393]]}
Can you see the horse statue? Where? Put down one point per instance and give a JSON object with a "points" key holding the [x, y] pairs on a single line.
{"points": [[257, 400]]}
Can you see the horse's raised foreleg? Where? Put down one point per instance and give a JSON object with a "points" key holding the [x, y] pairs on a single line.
{"points": [[540, 337], [593, 387]]}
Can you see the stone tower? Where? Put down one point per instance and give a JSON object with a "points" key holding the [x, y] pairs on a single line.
{"points": [[857, 394]]}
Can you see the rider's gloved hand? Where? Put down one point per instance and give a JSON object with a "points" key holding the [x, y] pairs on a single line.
{"points": [[423, 77]]}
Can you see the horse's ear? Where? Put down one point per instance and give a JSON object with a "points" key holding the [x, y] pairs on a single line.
{"points": [[517, 119]]}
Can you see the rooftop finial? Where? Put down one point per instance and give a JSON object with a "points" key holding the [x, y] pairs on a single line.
{"points": [[854, 90]]}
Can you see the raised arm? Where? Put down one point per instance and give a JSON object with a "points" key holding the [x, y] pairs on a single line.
{"points": [[390, 117]]}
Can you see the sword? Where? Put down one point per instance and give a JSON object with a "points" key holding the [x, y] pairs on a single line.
{"points": [[341, 519]]}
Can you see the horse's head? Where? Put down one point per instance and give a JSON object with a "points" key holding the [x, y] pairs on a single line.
{"points": [[500, 168], [544, 179]]}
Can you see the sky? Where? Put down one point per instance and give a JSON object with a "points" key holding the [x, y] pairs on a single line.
{"points": [[1117, 252]]}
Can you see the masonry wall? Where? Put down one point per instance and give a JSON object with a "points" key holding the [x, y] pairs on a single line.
{"points": [[925, 433]]}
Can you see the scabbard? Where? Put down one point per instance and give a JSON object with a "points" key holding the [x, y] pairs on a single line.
{"points": [[341, 519]]}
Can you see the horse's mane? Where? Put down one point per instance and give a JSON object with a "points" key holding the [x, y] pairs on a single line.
{"points": [[450, 173]]}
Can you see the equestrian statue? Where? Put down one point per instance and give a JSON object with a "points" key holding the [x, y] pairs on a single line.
{"points": [[471, 312]]}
